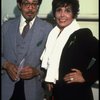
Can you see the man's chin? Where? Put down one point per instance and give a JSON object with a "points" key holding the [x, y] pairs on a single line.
{"points": [[29, 18]]}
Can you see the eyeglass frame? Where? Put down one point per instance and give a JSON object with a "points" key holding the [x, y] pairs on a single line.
{"points": [[33, 4]]}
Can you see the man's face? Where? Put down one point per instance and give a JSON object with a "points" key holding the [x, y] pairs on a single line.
{"points": [[29, 8]]}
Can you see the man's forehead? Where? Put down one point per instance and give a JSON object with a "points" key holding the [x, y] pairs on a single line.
{"points": [[30, 0]]}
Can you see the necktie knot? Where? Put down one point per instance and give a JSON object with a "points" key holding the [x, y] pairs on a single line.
{"points": [[27, 21]]}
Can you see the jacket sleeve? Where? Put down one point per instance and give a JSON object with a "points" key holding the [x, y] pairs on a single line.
{"points": [[92, 49]]}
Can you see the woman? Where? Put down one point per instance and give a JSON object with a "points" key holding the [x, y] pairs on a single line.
{"points": [[71, 55]]}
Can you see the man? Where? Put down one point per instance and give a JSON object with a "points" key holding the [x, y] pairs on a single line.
{"points": [[16, 48]]}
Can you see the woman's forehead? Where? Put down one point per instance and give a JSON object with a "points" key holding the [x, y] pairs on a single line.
{"points": [[65, 6]]}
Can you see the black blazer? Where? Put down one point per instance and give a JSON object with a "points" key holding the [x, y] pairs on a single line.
{"points": [[80, 49]]}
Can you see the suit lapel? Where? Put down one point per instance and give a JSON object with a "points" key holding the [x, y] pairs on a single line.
{"points": [[71, 40]]}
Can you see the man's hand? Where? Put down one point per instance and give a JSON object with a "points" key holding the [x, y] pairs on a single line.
{"points": [[11, 69], [29, 72]]}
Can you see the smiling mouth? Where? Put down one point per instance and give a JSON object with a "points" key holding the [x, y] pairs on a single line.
{"points": [[62, 20]]}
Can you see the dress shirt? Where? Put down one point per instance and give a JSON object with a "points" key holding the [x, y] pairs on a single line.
{"points": [[23, 23]]}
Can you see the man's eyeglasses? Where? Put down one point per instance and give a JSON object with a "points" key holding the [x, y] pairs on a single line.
{"points": [[27, 4]]}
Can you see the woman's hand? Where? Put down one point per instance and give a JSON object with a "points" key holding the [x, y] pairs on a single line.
{"points": [[74, 76], [50, 86]]}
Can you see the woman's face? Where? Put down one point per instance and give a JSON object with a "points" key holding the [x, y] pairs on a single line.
{"points": [[63, 16]]}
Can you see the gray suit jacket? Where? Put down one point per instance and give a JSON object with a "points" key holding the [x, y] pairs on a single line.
{"points": [[40, 30]]}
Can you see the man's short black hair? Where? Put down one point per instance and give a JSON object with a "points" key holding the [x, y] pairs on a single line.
{"points": [[20, 1]]}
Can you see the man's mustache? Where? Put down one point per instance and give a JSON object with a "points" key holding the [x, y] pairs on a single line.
{"points": [[29, 12]]}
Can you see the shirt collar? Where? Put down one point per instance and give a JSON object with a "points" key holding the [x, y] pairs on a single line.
{"points": [[22, 21]]}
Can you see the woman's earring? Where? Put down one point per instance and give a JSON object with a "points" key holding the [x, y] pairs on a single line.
{"points": [[54, 18]]}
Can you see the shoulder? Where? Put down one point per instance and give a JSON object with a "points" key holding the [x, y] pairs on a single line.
{"points": [[43, 23], [84, 32], [10, 22], [85, 35]]}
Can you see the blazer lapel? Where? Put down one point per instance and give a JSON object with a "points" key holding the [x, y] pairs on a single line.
{"points": [[71, 40]]}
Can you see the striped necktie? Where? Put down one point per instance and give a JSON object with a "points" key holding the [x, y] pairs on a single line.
{"points": [[25, 29]]}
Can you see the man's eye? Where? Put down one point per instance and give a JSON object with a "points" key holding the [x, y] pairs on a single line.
{"points": [[25, 3]]}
